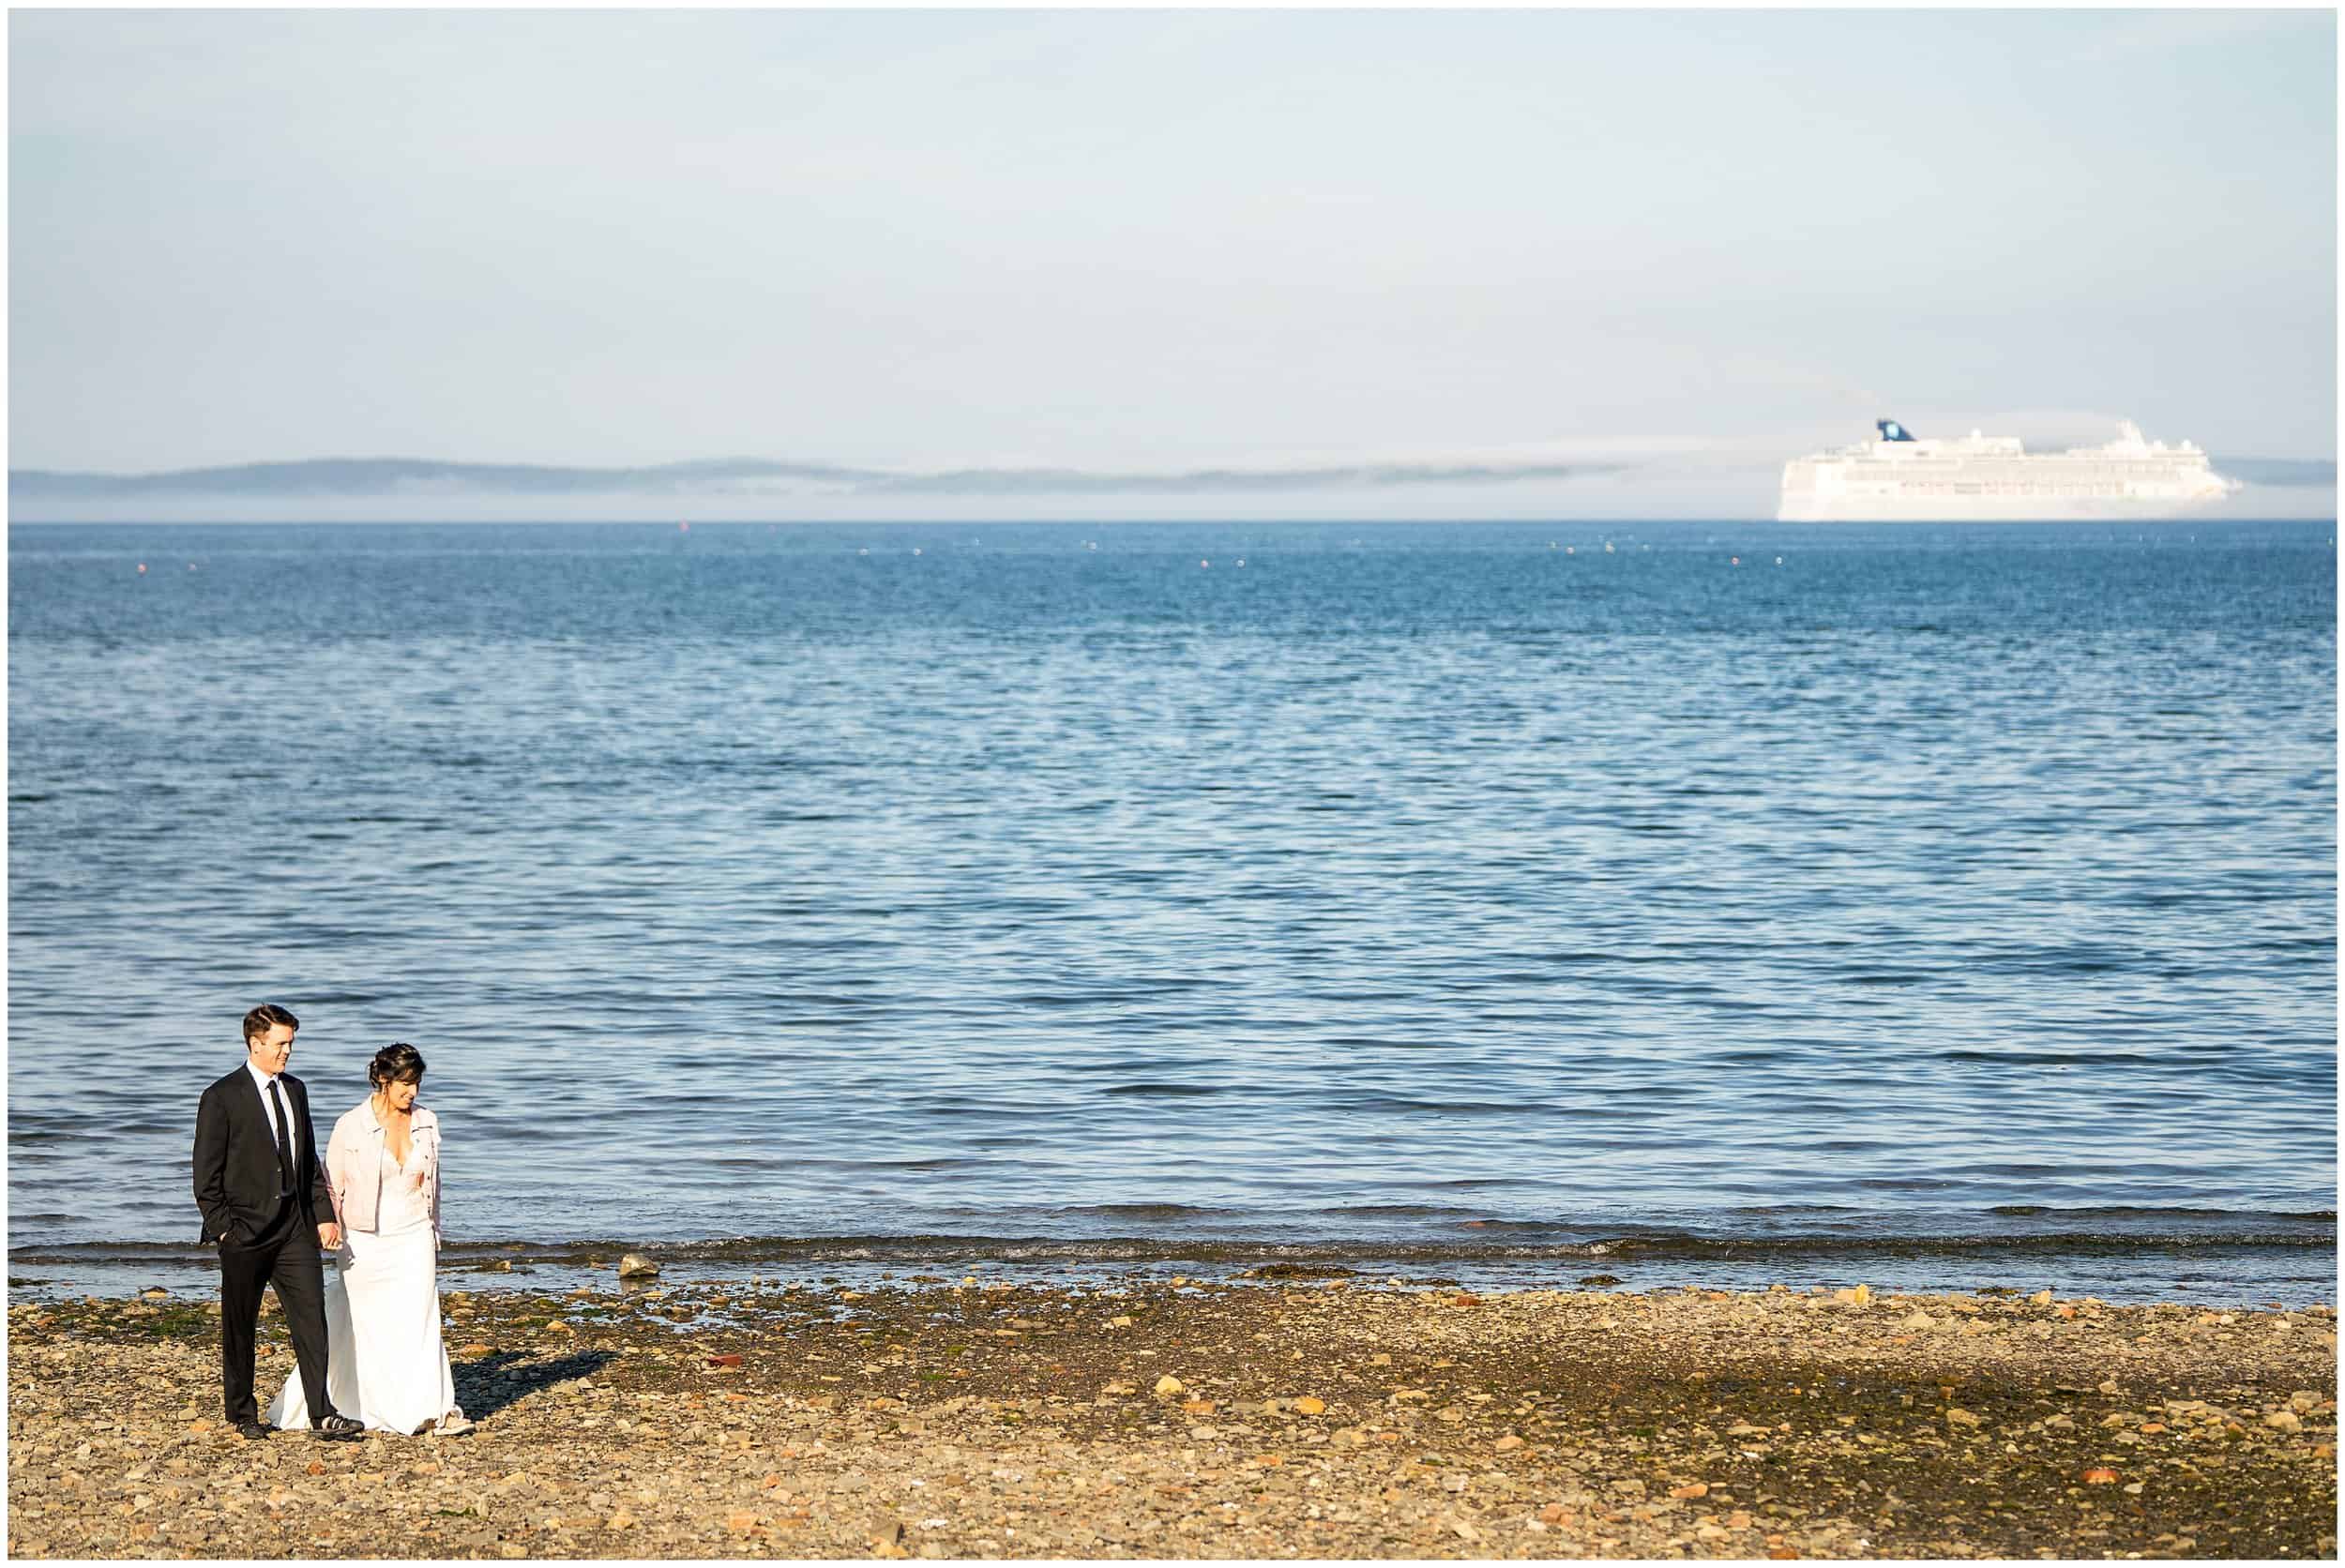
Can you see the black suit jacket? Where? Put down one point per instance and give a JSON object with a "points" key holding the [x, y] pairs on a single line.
{"points": [[236, 1177]]}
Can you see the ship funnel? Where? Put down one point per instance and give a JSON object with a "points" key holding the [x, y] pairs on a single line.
{"points": [[1891, 430]]}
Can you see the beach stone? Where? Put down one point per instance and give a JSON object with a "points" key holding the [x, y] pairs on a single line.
{"points": [[2285, 1421], [1310, 1405], [636, 1265], [1169, 1387]]}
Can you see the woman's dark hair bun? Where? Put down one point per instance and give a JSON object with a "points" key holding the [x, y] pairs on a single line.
{"points": [[396, 1063]]}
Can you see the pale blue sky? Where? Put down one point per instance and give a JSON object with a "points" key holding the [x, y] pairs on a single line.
{"points": [[1159, 239]]}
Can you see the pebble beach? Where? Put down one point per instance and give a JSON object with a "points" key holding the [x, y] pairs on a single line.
{"points": [[953, 1417]]}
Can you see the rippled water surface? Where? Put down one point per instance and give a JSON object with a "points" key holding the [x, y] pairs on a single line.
{"points": [[1459, 892]]}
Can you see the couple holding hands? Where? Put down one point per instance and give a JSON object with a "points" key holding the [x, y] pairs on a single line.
{"points": [[369, 1346]]}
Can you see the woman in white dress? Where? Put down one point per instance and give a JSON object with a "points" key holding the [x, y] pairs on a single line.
{"points": [[385, 1361]]}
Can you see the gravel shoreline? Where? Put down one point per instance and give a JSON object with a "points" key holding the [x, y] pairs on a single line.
{"points": [[1308, 1418]]}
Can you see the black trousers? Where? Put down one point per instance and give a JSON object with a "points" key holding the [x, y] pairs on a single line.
{"points": [[286, 1256]]}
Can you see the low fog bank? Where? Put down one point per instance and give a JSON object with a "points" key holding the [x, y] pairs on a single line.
{"points": [[1625, 496], [1676, 477]]}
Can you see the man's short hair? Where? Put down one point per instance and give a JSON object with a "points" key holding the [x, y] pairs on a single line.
{"points": [[267, 1015]]}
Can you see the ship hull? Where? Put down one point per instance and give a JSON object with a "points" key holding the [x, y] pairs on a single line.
{"points": [[1990, 509]]}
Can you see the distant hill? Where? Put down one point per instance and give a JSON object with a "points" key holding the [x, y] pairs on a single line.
{"points": [[413, 475], [2278, 471], [421, 478]]}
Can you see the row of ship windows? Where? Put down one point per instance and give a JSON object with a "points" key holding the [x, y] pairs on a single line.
{"points": [[1911, 489], [2075, 475]]}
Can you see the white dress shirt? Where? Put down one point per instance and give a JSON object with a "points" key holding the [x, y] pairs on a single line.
{"points": [[268, 1114]]}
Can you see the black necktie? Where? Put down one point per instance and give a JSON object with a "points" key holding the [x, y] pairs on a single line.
{"points": [[284, 1149]]}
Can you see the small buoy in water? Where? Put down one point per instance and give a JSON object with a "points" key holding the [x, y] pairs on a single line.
{"points": [[684, 528], [863, 552], [1241, 560], [142, 568], [1204, 562], [915, 550], [1778, 560], [1608, 547], [1550, 544], [1571, 550], [1733, 560], [190, 565]]}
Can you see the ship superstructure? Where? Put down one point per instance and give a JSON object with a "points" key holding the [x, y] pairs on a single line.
{"points": [[1898, 477]]}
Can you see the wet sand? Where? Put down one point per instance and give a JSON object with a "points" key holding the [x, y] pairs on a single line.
{"points": [[1310, 1418]]}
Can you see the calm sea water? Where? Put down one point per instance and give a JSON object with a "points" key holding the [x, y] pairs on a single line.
{"points": [[1948, 904]]}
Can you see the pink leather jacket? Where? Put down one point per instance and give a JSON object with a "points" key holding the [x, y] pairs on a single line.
{"points": [[354, 1165]]}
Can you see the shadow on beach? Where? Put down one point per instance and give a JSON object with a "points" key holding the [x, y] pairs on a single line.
{"points": [[496, 1382]]}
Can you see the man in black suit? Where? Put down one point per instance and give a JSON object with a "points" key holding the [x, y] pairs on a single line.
{"points": [[260, 1183]]}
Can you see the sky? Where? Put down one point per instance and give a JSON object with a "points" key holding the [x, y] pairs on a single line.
{"points": [[1678, 246]]}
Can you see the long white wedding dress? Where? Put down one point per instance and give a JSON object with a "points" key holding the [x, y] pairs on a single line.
{"points": [[385, 1363]]}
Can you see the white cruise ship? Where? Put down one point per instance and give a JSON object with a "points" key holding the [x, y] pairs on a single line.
{"points": [[1991, 479]]}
